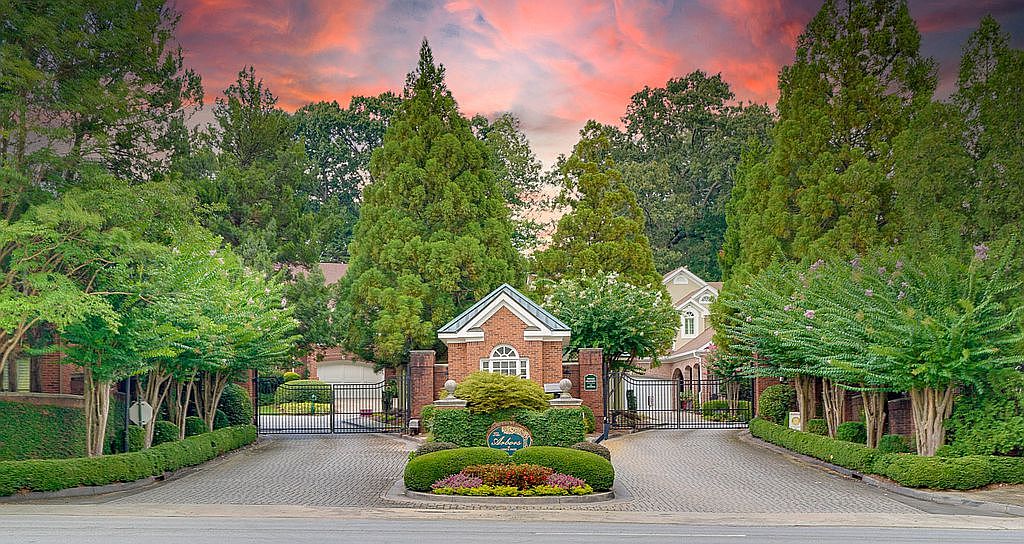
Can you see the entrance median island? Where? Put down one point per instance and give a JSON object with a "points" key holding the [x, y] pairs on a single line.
{"points": [[510, 453]]}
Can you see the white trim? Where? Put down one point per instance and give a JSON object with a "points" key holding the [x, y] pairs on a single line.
{"points": [[694, 298], [683, 270], [471, 332]]}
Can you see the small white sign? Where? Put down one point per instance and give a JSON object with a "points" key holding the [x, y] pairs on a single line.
{"points": [[552, 388], [140, 413], [794, 421]]}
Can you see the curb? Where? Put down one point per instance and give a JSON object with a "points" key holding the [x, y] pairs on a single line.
{"points": [[118, 487], [880, 483], [518, 501]]}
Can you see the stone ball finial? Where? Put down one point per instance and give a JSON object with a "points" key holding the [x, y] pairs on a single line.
{"points": [[565, 384], [449, 386]]}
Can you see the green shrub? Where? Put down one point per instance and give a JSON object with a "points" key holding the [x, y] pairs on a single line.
{"points": [[290, 376], [423, 470], [431, 447], [845, 454], [817, 426], [631, 403], [427, 418], [935, 472], [775, 403], [593, 448], [1007, 470], [592, 468], [56, 474], [552, 427], [164, 431], [588, 419], [852, 431], [893, 443], [990, 422], [489, 392], [304, 391], [298, 408], [718, 410], [194, 426], [236, 404], [136, 438], [28, 431], [220, 420]]}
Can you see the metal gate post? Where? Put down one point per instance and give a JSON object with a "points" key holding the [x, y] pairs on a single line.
{"points": [[334, 400], [256, 399]]}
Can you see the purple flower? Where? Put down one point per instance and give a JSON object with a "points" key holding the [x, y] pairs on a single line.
{"points": [[981, 252], [855, 263], [869, 292], [565, 481], [809, 314], [788, 308], [899, 264], [817, 264], [881, 270], [458, 480]]}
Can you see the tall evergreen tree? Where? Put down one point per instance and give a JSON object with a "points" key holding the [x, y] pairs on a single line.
{"points": [[604, 230], [825, 187], [433, 234]]}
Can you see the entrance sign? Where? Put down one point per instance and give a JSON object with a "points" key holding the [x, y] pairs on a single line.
{"points": [[508, 436], [590, 382], [140, 413]]}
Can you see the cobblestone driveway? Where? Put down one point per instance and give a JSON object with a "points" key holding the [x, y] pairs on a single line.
{"points": [[661, 471], [315, 470]]}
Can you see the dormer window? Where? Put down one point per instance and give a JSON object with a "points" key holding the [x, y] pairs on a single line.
{"points": [[704, 299], [689, 323], [505, 359]]}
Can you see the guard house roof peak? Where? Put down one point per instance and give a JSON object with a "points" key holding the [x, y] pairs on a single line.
{"points": [[541, 325]]}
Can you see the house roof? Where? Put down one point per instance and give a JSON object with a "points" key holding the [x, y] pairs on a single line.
{"points": [[333, 272], [531, 307], [693, 345]]}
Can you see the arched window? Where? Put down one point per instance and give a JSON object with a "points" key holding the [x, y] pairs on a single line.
{"points": [[689, 323], [505, 359]]}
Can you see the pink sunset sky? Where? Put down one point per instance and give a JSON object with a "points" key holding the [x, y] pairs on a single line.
{"points": [[554, 63]]}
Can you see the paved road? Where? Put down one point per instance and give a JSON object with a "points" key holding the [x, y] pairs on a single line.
{"points": [[656, 471], [107, 530]]}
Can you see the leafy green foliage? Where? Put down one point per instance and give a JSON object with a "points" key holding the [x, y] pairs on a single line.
{"points": [[164, 431], [893, 443], [990, 420], [423, 470], [433, 234], [430, 447], [220, 420], [852, 431], [304, 391], [719, 410], [936, 472], [626, 321], [552, 427], [290, 376], [236, 404], [40, 432], [775, 403], [194, 426], [604, 230], [56, 474], [489, 392], [589, 467], [845, 454], [816, 426], [593, 448]]}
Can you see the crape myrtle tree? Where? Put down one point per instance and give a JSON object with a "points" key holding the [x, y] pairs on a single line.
{"points": [[603, 230], [628, 322], [433, 233]]}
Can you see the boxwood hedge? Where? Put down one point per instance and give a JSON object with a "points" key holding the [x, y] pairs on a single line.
{"points": [[596, 470], [423, 470], [553, 427], [906, 469], [56, 474]]}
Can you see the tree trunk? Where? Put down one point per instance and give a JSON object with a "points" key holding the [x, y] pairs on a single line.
{"points": [[212, 385], [931, 407], [834, 400], [805, 400], [178, 410], [732, 394], [874, 416], [97, 408], [158, 382]]}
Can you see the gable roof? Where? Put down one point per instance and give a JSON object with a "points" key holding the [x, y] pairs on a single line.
{"points": [[504, 295]]}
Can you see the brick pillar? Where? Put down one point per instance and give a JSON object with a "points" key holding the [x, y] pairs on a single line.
{"points": [[421, 367], [590, 363]]}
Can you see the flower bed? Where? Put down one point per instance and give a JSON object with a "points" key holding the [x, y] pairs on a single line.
{"points": [[503, 480]]}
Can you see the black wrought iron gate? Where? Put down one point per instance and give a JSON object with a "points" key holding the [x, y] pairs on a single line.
{"points": [[638, 402], [300, 407]]}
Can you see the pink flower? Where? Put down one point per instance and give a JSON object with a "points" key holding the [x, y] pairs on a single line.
{"points": [[565, 481], [869, 292], [809, 314], [981, 252]]}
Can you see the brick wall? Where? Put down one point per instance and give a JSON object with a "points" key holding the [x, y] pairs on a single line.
{"points": [[590, 363], [421, 367], [505, 328], [900, 420]]}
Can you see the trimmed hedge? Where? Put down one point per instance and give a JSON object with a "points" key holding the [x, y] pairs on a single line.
{"points": [[28, 431], [594, 448], [594, 469], [220, 420], [905, 469], [236, 404], [718, 410], [423, 470], [893, 443], [194, 426], [852, 431], [303, 391], [775, 403], [553, 427], [56, 474]]}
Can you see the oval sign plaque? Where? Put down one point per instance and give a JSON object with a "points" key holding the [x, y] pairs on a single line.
{"points": [[508, 436]]}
